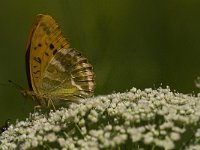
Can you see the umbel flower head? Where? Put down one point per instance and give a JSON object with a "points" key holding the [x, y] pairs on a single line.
{"points": [[139, 120]]}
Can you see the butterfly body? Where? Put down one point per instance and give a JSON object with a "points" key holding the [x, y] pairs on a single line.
{"points": [[56, 72]]}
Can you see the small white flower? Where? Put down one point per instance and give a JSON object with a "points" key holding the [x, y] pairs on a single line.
{"points": [[71, 146], [135, 134], [34, 143], [56, 128], [148, 90], [25, 145], [83, 130], [62, 142], [92, 118], [168, 144], [119, 139], [108, 127], [107, 135], [133, 90], [81, 122], [51, 137], [76, 119], [175, 136], [197, 134], [148, 138]]}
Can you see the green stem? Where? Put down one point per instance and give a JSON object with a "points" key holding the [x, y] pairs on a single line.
{"points": [[79, 130]]}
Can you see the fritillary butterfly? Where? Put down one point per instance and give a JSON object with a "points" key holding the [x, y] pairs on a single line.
{"points": [[56, 72]]}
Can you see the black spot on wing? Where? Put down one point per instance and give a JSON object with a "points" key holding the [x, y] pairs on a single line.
{"points": [[46, 54], [36, 72], [55, 51], [51, 46], [40, 45], [37, 59]]}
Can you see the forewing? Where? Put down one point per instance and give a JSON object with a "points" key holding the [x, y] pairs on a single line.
{"points": [[44, 41]]}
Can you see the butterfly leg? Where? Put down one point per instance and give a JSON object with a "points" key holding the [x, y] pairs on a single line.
{"points": [[36, 108], [50, 102]]}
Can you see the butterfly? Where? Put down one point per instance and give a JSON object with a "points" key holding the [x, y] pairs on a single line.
{"points": [[56, 72]]}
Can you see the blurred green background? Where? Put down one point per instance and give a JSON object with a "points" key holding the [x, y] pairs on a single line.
{"points": [[130, 43]]}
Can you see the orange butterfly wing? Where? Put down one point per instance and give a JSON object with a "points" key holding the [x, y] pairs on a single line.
{"points": [[45, 39]]}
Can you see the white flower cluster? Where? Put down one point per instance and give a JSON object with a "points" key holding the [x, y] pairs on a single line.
{"points": [[149, 119]]}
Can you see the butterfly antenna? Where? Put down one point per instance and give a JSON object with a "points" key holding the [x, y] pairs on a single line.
{"points": [[15, 85]]}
